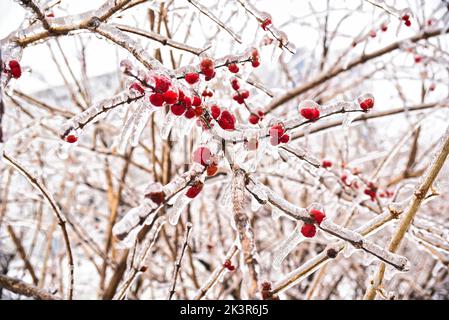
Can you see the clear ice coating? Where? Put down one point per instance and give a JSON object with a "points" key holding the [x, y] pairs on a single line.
{"points": [[286, 246], [178, 207]]}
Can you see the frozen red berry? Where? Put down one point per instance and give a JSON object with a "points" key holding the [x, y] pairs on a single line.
{"points": [[71, 138], [15, 69], [405, 17], [206, 63], [277, 130], [215, 111], [195, 189], [308, 230], [384, 27], [432, 87], [326, 164], [157, 197], [157, 99], [244, 94], [317, 215], [284, 139], [367, 104], [418, 58], [192, 78], [255, 63], [190, 113], [196, 101], [373, 33], [161, 84], [226, 120], [310, 113], [266, 23], [136, 87], [202, 155], [371, 191], [178, 109], [198, 111], [408, 23], [212, 170], [233, 67], [170, 97], [253, 118], [235, 84]]}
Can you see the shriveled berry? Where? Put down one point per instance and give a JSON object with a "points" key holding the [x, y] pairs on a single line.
{"points": [[157, 99], [233, 67], [317, 215], [192, 78], [308, 230], [170, 97], [195, 189]]}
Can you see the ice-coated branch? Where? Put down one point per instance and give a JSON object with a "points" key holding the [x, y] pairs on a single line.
{"points": [[55, 208], [216, 274], [329, 74], [280, 36], [128, 225], [332, 250], [244, 229], [177, 267], [79, 121], [37, 11], [215, 19], [19, 287], [354, 238], [418, 196], [159, 38]]}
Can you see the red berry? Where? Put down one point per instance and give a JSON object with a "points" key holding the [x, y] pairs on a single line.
{"points": [[310, 113], [317, 215], [202, 155], [186, 101], [227, 264], [209, 75], [178, 109], [244, 94], [372, 33], [383, 27], [157, 197], [308, 230], [238, 98], [234, 68], [326, 164], [198, 111], [367, 104], [418, 58], [137, 87], [212, 170], [215, 111], [253, 118], [161, 84], [157, 99], [196, 101], [255, 54], [255, 63], [231, 268], [16, 70], [170, 97], [260, 113], [277, 130], [266, 23], [226, 120], [408, 23], [192, 78], [190, 113], [432, 87], [405, 17], [235, 84], [284, 139], [71, 138], [206, 63], [195, 189]]}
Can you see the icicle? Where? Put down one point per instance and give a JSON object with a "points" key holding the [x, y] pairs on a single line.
{"points": [[286, 246], [178, 207], [170, 119], [143, 113]]}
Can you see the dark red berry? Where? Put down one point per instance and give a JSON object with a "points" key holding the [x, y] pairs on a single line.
{"points": [[137, 87], [196, 101], [284, 139], [71, 138], [253, 118], [195, 189], [266, 23], [178, 109], [235, 84], [157, 99], [234, 68], [16, 70], [212, 170], [383, 27], [227, 120], [161, 84], [308, 230], [157, 197], [215, 111], [408, 23], [326, 164], [190, 113], [317, 215], [170, 97], [192, 78]]}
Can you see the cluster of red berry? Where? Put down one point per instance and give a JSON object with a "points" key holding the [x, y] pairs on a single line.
{"points": [[278, 135], [308, 230], [371, 190], [406, 19], [13, 69], [228, 265]]}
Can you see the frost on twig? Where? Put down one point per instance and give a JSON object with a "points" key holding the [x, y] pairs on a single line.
{"points": [[127, 228], [354, 238], [246, 234]]}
